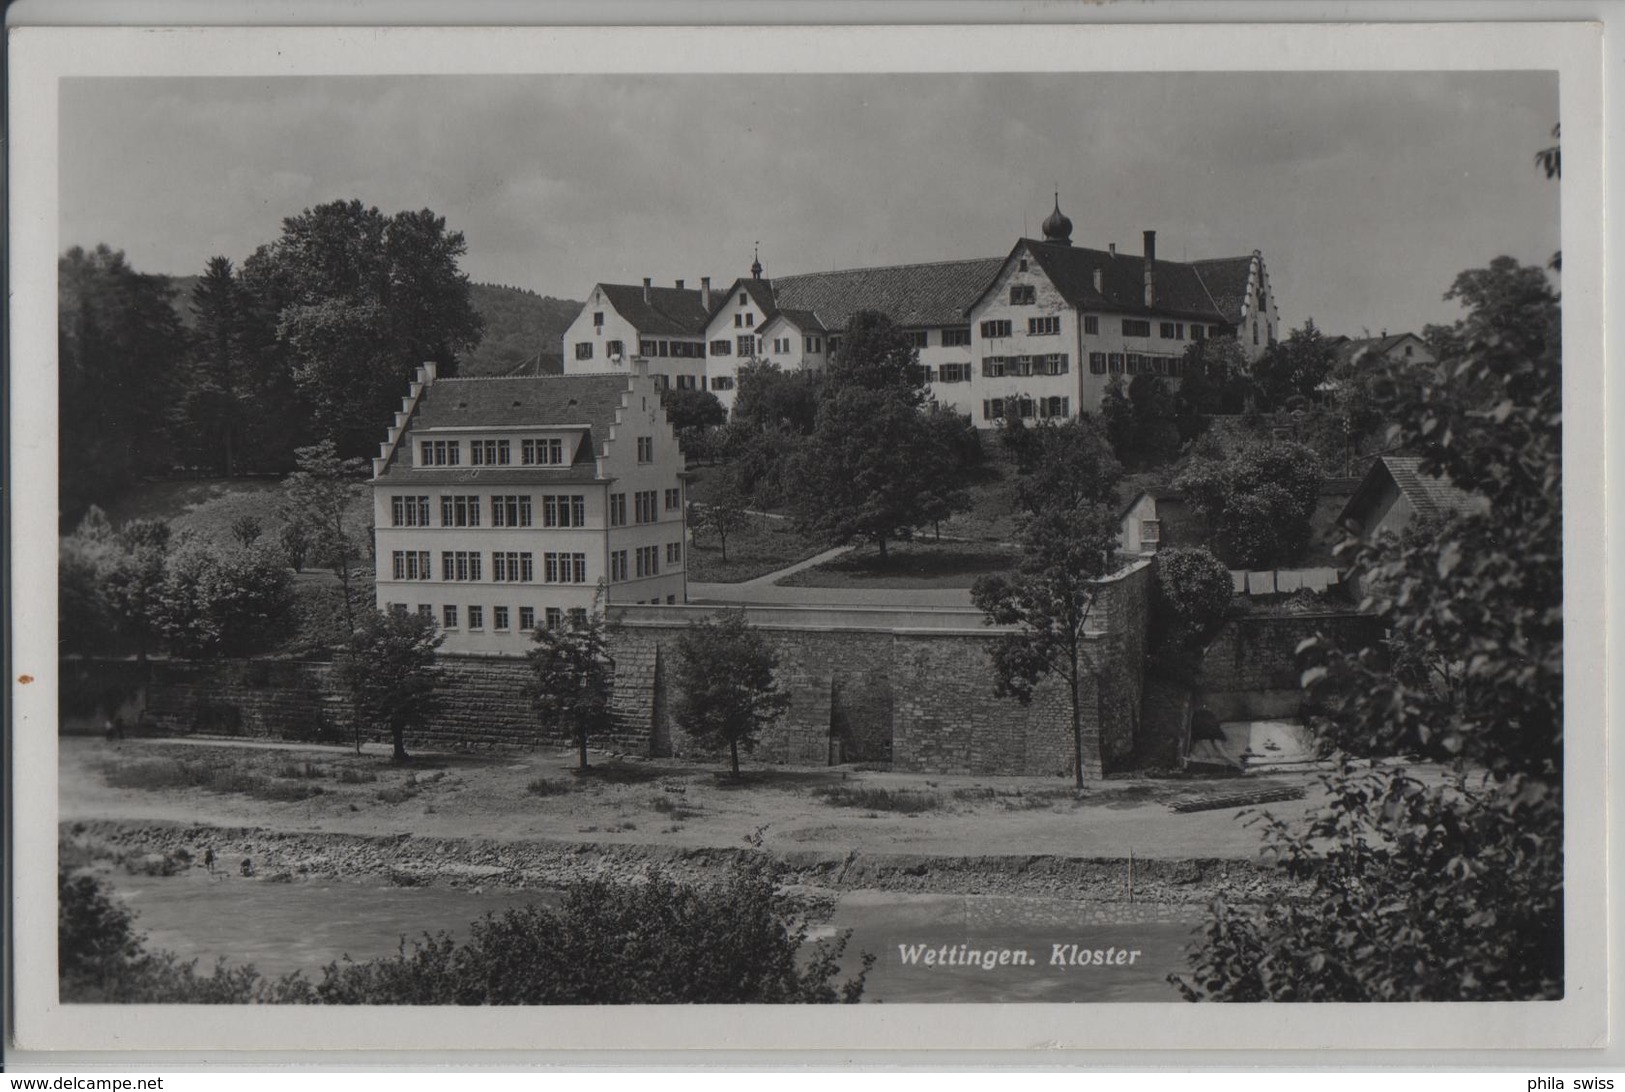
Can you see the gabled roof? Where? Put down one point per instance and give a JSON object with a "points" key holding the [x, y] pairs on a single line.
{"points": [[1429, 494], [807, 322], [670, 312], [519, 401], [760, 292], [1226, 282], [1348, 348], [927, 294], [1071, 269]]}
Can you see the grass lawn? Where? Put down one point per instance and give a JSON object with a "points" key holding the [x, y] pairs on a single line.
{"points": [[756, 549], [921, 564], [208, 505]]}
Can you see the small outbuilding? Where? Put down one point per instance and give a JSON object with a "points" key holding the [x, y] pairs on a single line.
{"points": [[1395, 492]]}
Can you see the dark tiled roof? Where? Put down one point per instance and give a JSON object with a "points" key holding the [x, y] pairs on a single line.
{"points": [[539, 401], [929, 294], [1429, 494], [1226, 282], [670, 312], [1179, 291], [807, 322], [760, 292]]}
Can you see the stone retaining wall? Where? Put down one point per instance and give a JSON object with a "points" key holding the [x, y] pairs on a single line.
{"points": [[912, 689]]}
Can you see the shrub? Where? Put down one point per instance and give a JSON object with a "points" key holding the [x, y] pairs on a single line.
{"points": [[543, 786], [653, 942]]}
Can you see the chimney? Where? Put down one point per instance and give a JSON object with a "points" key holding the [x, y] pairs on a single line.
{"points": [[1113, 248], [679, 282], [705, 294], [1150, 269], [1100, 281], [647, 281]]}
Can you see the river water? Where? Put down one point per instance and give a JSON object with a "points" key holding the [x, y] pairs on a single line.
{"points": [[282, 927]]}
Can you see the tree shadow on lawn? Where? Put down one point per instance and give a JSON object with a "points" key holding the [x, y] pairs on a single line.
{"points": [[773, 778], [948, 562]]}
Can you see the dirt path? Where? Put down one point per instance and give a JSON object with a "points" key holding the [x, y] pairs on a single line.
{"points": [[534, 797]]}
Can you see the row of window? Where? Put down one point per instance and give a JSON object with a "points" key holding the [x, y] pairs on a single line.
{"points": [[996, 409], [451, 615], [646, 504], [507, 510], [1136, 364], [645, 558], [1042, 364], [509, 567], [540, 452], [1042, 325], [518, 509]]}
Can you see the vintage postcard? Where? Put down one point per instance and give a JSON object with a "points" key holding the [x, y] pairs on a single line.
{"points": [[998, 537]]}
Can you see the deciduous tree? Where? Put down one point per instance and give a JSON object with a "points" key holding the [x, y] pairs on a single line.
{"points": [[573, 676], [1256, 499], [319, 497], [1417, 890], [388, 668], [222, 601], [1048, 600], [727, 691], [119, 350], [361, 299]]}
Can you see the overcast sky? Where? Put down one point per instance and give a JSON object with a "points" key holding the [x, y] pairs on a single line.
{"points": [[1366, 193]]}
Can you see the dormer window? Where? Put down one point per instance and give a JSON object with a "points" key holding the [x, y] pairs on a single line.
{"points": [[545, 452], [440, 453]]}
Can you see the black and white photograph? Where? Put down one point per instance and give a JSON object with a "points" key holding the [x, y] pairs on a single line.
{"points": [[611, 530]]}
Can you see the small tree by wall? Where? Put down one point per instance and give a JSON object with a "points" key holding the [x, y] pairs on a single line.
{"points": [[573, 677], [726, 690], [388, 669], [1049, 598]]}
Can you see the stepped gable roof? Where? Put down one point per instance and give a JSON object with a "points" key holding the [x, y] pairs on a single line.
{"points": [[1226, 282], [670, 312], [926, 294], [590, 399], [1071, 269], [1429, 494], [807, 322]]}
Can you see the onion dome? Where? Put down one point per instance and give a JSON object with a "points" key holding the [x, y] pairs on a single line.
{"points": [[1057, 228]]}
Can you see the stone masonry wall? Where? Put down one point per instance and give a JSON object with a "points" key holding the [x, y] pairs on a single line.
{"points": [[1252, 669], [914, 691], [483, 704]]}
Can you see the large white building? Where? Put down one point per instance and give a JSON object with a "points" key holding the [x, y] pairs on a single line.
{"points": [[1040, 332], [504, 504]]}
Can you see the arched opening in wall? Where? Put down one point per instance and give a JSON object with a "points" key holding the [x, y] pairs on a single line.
{"points": [[860, 718]]}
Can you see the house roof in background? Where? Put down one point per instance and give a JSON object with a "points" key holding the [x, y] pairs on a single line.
{"points": [[1348, 348], [1429, 494], [927, 294], [1180, 290], [1226, 281], [669, 312], [807, 322]]}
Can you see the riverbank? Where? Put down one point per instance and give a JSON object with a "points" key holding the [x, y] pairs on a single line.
{"points": [[536, 796], [167, 848]]}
